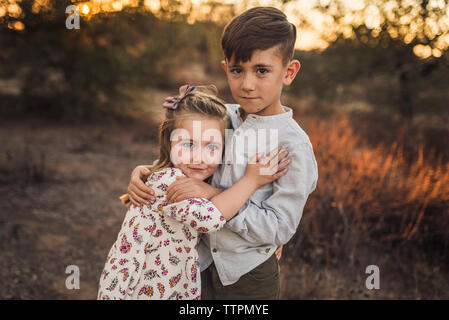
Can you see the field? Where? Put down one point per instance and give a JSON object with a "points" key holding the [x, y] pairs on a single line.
{"points": [[383, 204]]}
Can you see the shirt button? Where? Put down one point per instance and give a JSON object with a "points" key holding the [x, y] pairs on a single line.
{"points": [[267, 250], [214, 250]]}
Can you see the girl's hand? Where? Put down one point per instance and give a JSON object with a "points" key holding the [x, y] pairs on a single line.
{"points": [[278, 253], [185, 188], [138, 192], [266, 170]]}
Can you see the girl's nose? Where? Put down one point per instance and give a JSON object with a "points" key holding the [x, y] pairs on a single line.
{"points": [[196, 158]]}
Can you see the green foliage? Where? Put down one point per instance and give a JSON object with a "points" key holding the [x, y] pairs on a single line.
{"points": [[80, 73], [380, 70]]}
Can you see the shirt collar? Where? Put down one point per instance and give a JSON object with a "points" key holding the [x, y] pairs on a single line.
{"points": [[273, 119]]}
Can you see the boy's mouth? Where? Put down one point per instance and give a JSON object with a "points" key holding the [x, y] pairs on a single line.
{"points": [[249, 98]]}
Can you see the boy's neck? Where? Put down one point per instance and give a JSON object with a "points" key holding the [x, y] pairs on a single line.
{"points": [[268, 111]]}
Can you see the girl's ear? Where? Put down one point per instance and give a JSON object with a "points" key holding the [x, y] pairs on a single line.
{"points": [[291, 72], [223, 65]]}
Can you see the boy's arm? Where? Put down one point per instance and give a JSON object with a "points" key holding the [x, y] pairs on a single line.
{"points": [[276, 222], [138, 192]]}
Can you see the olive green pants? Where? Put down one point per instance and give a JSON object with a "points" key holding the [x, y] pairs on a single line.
{"points": [[261, 283]]}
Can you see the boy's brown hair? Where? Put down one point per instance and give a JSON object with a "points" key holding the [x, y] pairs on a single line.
{"points": [[258, 28]]}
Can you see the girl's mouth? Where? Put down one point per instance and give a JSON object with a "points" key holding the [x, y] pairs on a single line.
{"points": [[197, 169]]}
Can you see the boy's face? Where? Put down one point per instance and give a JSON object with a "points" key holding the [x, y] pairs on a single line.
{"points": [[257, 84]]}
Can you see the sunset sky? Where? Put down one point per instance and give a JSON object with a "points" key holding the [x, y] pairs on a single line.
{"points": [[312, 36]]}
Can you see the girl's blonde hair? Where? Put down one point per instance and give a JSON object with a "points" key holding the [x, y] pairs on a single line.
{"points": [[204, 102]]}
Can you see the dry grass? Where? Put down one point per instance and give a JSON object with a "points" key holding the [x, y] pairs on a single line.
{"points": [[371, 206]]}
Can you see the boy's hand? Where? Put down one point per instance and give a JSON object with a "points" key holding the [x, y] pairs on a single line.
{"points": [[268, 169], [138, 192], [278, 253], [185, 188]]}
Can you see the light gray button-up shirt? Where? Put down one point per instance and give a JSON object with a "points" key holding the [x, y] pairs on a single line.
{"points": [[272, 214]]}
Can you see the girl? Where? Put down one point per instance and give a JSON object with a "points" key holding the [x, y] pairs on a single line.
{"points": [[155, 256]]}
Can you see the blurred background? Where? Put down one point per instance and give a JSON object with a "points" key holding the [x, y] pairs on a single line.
{"points": [[79, 109]]}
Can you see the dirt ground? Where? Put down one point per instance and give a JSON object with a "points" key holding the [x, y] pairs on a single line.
{"points": [[59, 189], [59, 202]]}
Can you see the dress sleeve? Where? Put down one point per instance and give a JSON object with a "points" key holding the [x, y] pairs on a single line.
{"points": [[200, 214]]}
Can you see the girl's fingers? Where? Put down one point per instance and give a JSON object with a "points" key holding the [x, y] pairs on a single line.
{"points": [[282, 165], [256, 158], [270, 156], [279, 174], [278, 158]]}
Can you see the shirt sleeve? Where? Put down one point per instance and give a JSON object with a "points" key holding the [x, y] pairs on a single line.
{"points": [[276, 219], [200, 214]]}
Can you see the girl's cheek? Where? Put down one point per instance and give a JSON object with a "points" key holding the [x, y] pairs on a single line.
{"points": [[212, 158], [180, 155], [212, 167]]}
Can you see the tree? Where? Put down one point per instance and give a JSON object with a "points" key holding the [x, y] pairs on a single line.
{"points": [[397, 31]]}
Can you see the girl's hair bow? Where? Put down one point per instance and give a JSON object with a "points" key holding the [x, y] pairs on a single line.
{"points": [[172, 102]]}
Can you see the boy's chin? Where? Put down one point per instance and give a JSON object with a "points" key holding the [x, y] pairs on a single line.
{"points": [[250, 107]]}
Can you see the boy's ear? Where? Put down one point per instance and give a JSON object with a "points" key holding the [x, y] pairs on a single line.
{"points": [[223, 65], [291, 72]]}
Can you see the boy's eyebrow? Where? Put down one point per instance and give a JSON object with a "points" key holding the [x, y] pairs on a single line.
{"points": [[263, 65], [260, 65]]}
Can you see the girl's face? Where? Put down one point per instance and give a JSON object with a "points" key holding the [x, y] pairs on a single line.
{"points": [[197, 146]]}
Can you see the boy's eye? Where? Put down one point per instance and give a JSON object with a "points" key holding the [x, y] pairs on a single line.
{"points": [[262, 70], [236, 70]]}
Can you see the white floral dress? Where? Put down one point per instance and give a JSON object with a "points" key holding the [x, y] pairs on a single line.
{"points": [[155, 255]]}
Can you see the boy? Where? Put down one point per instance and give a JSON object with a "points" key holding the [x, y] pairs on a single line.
{"points": [[238, 261]]}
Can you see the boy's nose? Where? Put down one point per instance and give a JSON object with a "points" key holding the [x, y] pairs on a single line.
{"points": [[247, 83]]}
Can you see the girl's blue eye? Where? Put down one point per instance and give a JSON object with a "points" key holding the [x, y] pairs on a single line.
{"points": [[212, 147], [188, 144]]}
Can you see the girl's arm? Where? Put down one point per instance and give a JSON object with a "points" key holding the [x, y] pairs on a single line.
{"points": [[258, 173], [199, 213]]}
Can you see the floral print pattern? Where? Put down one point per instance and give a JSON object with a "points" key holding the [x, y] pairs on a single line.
{"points": [[155, 255]]}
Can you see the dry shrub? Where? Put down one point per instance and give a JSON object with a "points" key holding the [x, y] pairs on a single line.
{"points": [[371, 195]]}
